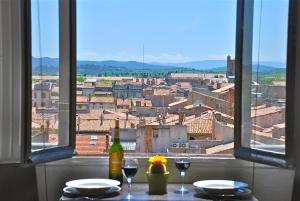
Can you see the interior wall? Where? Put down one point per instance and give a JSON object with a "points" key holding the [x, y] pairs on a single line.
{"points": [[270, 183], [18, 183]]}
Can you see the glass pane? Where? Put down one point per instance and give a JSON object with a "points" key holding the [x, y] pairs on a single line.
{"points": [[264, 81], [161, 68], [50, 89]]}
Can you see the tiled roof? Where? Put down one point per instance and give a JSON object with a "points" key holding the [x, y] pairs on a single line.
{"points": [[220, 148], [201, 125], [106, 85], [184, 85], [88, 86], [177, 102], [103, 93], [88, 145], [194, 75], [224, 88], [255, 112], [96, 99], [279, 83], [81, 99], [161, 92], [94, 125]]}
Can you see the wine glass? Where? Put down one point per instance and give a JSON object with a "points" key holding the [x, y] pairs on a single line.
{"points": [[182, 163], [129, 169]]}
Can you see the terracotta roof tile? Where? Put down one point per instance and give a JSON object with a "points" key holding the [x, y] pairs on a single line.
{"points": [[96, 99], [201, 125]]}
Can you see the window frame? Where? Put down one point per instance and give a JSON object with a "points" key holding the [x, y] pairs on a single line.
{"points": [[245, 31], [67, 46]]}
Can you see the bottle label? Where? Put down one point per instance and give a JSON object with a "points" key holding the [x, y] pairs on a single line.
{"points": [[115, 162]]}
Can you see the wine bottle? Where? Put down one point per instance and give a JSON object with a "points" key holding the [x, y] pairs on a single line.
{"points": [[116, 154]]}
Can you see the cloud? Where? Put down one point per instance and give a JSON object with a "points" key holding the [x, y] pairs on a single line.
{"points": [[217, 56]]}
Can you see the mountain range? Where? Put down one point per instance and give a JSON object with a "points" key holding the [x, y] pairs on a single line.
{"points": [[50, 66]]}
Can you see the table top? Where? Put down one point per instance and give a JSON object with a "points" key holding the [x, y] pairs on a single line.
{"points": [[140, 192]]}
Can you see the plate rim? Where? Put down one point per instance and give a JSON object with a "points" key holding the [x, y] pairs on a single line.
{"points": [[243, 184], [70, 183]]}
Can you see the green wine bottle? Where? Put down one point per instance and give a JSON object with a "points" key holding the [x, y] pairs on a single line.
{"points": [[116, 154]]}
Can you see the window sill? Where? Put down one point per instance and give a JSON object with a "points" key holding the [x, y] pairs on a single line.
{"points": [[227, 161]]}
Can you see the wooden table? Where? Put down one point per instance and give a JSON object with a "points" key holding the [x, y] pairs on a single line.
{"points": [[140, 192]]}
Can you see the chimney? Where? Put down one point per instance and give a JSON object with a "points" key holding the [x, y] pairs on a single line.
{"points": [[107, 141], [78, 123], [101, 120], [126, 115], [181, 116]]}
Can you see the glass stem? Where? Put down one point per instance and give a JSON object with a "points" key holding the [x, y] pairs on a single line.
{"points": [[182, 174], [129, 187]]}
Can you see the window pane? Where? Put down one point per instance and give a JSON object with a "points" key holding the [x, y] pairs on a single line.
{"points": [[50, 79], [159, 66], [264, 80]]}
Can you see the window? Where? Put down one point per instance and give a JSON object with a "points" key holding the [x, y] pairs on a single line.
{"points": [[262, 132], [43, 94], [156, 96], [52, 25], [154, 70]]}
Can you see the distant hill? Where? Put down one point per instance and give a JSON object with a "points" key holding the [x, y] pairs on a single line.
{"points": [[212, 64], [111, 67]]}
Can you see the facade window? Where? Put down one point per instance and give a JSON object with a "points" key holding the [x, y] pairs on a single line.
{"points": [[43, 95]]}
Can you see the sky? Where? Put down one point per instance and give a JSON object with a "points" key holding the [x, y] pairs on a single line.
{"points": [[169, 30]]}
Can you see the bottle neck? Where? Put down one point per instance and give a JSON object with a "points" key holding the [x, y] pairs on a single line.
{"points": [[117, 135]]}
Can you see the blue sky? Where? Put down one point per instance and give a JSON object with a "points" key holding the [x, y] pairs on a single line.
{"points": [[170, 30]]}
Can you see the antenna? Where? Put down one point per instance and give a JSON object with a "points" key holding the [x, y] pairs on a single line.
{"points": [[143, 56]]}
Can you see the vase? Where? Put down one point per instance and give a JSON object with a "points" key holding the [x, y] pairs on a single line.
{"points": [[157, 183]]}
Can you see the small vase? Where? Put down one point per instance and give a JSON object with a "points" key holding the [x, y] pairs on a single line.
{"points": [[157, 183]]}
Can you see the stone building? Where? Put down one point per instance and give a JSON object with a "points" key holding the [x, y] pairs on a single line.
{"points": [[128, 90]]}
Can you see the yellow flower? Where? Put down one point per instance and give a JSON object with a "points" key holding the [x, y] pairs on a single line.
{"points": [[157, 160]]}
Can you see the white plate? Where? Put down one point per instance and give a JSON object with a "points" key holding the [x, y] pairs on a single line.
{"points": [[220, 186], [96, 186], [73, 192]]}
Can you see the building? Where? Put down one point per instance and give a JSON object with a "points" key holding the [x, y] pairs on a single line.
{"points": [[230, 70], [41, 94], [158, 138], [103, 87], [88, 89], [102, 102], [195, 79], [211, 101], [128, 90]]}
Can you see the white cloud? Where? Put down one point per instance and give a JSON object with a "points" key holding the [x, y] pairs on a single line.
{"points": [[217, 56]]}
